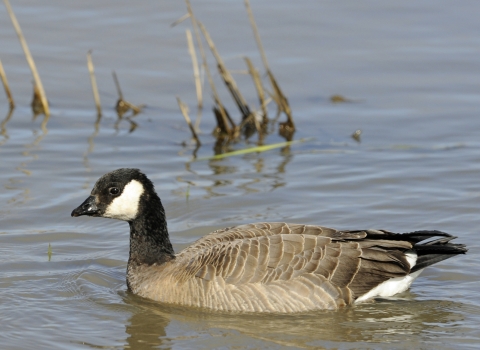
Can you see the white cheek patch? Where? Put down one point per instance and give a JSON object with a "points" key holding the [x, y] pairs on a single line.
{"points": [[125, 207]]}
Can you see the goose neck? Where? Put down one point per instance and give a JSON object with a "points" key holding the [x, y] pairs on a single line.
{"points": [[149, 240]]}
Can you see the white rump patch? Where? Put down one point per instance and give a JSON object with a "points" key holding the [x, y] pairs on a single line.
{"points": [[394, 285], [125, 207], [411, 257]]}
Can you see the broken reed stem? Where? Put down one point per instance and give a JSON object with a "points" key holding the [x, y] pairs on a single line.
{"points": [[117, 84], [221, 109], [3, 76], [282, 100], [223, 112], [134, 108], [227, 77], [202, 52], [225, 116], [258, 85], [197, 36], [255, 33], [29, 58], [93, 80], [184, 110], [36, 103], [196, 72], [280, 97], [251, 119], [180, 20], [123, 106]]}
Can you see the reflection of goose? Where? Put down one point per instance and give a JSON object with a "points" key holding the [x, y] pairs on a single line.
{"points": [[388, 322], [265, 267], [145, 329]]}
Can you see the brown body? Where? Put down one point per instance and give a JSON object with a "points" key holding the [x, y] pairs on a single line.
{"points": [[273, 267]]}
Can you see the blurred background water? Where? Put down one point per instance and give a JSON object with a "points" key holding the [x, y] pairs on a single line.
{"points": [[412, 73]]}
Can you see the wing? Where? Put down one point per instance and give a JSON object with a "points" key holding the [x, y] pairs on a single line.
{"points": [[302, 259], [263, 229]]}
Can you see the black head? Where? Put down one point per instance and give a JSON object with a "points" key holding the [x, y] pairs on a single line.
{"points": [[117, 195]]}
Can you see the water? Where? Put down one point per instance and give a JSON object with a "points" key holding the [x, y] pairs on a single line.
{"points": [[411, 71]]}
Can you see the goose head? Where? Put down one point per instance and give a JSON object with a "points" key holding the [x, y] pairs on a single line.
{"points": [[120, 194]]}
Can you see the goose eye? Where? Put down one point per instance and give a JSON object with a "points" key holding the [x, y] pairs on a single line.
{"points": [[113, 190]]}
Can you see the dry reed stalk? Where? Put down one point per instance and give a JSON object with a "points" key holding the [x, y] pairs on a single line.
{"points": [[282, 102], [251, 119], [184, 110], [180, 20], [224, 122], [197, 36], [117, 85], [259, 87], [28, 56], [229, 125], [227, 77], [3, 76], [122, 105], [37, 105], [196, 72], [278, 96], [93, 80], [136, 109], [223, 116], [256, 34]]}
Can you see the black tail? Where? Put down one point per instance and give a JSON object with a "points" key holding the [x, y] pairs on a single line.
{"points": [[437, 250], [428, 253]]}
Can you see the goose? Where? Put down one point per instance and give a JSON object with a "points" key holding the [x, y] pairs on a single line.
{"points": [[271, 267]]}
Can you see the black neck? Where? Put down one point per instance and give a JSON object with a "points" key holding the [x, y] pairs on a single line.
{"points": [[149, 241]]}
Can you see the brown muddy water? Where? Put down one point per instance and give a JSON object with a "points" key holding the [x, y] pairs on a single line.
{"points": [[412, 71]]}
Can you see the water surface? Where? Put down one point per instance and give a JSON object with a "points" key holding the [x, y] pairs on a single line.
{"points": [[412, 71]]}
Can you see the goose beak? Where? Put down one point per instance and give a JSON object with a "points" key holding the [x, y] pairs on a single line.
{"points": [[86, 208]]}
